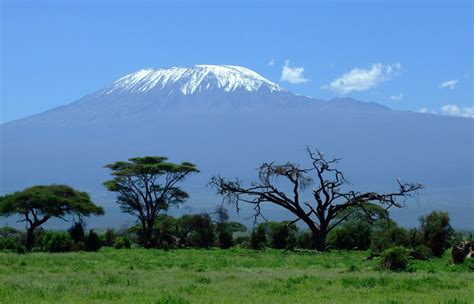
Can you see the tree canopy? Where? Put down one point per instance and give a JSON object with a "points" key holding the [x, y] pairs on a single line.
{"points": [[147, 186], [38, 204]]}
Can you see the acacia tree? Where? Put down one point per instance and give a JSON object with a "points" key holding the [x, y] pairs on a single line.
{"points": [[147, 186], [37, 204], [331, 205]]}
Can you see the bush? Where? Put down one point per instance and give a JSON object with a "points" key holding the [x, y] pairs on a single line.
{"points": [[305, 240], [122, 242], [395, 258], [224, 237], [10, 238], [422, 252], [196, 230], [258, 238], [352, 235], [387, 234], [109, 238], [92, 241], [57, 242], [76, 232], [436, 231], [282, 235]]}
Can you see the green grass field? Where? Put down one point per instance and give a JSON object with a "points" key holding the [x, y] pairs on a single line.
{"points": [[225, 276]]}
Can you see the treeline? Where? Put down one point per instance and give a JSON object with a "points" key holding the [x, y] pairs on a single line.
{"points": [[146, 187]]}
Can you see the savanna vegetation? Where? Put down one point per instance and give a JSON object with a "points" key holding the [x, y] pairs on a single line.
{"points": [[341, 247]]}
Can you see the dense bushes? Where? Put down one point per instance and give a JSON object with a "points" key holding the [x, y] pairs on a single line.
{"points": [[352, 235], [395, 258]]}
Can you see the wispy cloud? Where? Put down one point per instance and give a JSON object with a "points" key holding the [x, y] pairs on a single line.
{"points": [[292, 74], [424, 110], [397, 97], [271, 62], [448, 84], [363, 79], [454, 110]]}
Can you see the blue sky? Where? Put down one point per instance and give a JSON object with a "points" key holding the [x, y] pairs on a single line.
{"points": [[405, 54]]}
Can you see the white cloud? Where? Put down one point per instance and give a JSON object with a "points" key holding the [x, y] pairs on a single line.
{"points": [[272, 62], [448, 84], [397, 97], [424, 110], [363, 79], [292, 75], [454, 110]]}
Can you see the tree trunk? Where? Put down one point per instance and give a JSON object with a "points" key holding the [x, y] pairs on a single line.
{"points": [[148, 241], [30, 238], [319, 240]]}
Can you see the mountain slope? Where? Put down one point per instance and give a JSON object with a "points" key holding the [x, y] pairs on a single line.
{"points": [[228, 120]]}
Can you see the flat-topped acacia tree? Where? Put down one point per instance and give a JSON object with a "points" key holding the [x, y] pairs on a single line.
{"points": [[147, 186], [331, 205], [37, 204]]}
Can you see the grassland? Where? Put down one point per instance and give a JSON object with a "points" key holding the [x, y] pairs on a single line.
{"points": [[225, 276]]}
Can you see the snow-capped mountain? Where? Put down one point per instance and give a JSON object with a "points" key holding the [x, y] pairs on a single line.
{"points": [[228, 120], [189, 80]]}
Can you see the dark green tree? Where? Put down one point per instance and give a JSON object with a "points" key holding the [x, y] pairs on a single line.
{"points": [[436, 231], [146, 187], [92, 241], [77, 232], [37, 204], [258, 238]]}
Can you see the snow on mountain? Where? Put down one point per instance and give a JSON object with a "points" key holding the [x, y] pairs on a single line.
{"points": [[189, 80]]}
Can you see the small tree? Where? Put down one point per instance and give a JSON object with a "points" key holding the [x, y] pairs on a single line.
{"points": [[77, 232], [258, 238], [146, 187], [92, 241], [38, 204], [436, 231]]}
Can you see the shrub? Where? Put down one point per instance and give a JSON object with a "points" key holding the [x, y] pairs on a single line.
{"points": [[109, 238], [436, 231], [122, 242], [92, 241], [57, 242], [258, 238], [196, 230], [422, 252], [76, 232], [10, 238], [282, 235], [387, 234], [395, 258], [352, 235], [224, 238], [305, 240]]}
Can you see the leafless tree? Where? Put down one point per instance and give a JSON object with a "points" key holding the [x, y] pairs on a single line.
{"points": [[331, 205]]}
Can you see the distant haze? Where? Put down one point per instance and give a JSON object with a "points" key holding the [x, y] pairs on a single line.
{"points": [[228, 120]]}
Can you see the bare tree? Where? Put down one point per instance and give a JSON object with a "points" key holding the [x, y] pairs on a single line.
{"points": [[331, 205]]}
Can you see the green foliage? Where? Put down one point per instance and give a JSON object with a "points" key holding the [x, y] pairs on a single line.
{"points": [[305, 240], [224, 236], [146, 187], [109, 237], [38, 204], [92, 241], [258, 238], [122, 242], [54, 241], [282, 235], [77, 232], [422, 252], [436, 231], [395, 258], [387, 234], [10, 238], [351, 235]]}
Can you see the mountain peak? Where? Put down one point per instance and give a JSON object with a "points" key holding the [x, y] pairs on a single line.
{"points": [[190, 80]]}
